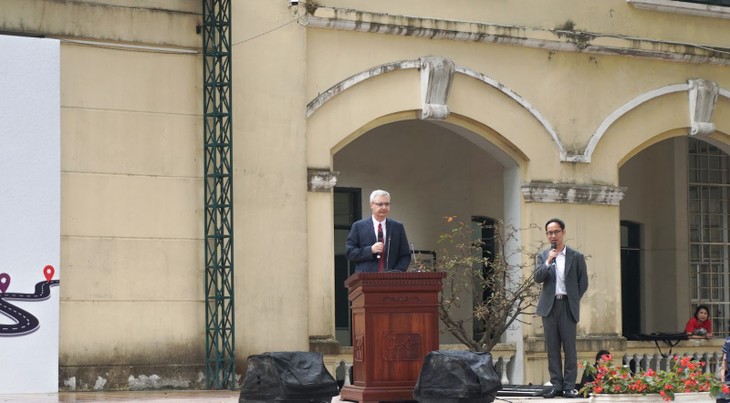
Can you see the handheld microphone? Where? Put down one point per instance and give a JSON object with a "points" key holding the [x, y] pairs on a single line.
{"points": [[553, 245], [380, 239]]}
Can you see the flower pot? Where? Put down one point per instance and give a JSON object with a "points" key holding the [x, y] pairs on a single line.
{"points": [[678, 397]]}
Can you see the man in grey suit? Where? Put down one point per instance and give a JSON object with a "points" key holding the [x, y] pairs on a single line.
{"points": [[563, 274]]}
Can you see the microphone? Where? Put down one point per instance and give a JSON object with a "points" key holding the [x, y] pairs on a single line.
{"points": [[414, 259], [380, 239], [553, 245]]}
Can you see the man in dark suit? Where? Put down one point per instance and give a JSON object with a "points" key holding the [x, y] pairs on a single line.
{"points": [[563, 274], [378, 243]]}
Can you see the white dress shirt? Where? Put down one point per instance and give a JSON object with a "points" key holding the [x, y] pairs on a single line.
{"points": [[560, 273]]}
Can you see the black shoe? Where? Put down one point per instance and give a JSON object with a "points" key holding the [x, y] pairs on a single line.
{"points": [[552, 393], [571, 394]]}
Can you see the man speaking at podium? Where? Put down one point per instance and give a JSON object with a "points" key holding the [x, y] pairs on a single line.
{"points": [[378, 243]]}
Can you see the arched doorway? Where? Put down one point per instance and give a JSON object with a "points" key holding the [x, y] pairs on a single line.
{"points": [[432, 170], [678, 199]]}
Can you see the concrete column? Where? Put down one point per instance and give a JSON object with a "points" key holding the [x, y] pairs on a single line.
{"points": [[272, 286], [320, 221]]}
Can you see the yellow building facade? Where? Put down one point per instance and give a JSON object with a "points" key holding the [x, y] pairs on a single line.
{"points": [[613, 115]]}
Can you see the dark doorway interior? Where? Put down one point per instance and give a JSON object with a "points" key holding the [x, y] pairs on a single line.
{"points": [[347, 209], [631, 277], [484, 234]]}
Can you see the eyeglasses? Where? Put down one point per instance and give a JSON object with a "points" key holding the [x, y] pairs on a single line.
{"points": [[386, 204], [553, 233]]}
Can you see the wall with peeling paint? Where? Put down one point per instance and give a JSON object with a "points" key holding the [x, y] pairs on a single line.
{"points": [[555, 101]]}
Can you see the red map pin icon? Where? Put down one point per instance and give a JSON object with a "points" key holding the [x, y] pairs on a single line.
{"points": [[4, 281], [48, 271]]}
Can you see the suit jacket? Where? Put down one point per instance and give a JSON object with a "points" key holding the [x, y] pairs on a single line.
{"points": [[576, 281], [362, 237]]}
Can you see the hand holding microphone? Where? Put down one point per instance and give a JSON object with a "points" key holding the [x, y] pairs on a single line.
{"points": [[380, 241], [553, 253]]}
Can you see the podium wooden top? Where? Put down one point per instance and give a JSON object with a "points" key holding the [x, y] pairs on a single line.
{"points": [[396, 279]]}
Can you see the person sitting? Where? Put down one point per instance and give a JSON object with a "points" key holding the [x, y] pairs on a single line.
{"points": [[699, 326], [589, 376]]}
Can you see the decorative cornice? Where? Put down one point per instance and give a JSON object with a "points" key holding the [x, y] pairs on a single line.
{"points": [[321, 180], [565, 40], [545, 192]]}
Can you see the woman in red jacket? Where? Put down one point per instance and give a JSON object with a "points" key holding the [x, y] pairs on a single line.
{"points": [[700, 325]]}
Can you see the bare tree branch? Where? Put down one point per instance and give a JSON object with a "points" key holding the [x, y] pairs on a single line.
{"points": [[484, 296]]}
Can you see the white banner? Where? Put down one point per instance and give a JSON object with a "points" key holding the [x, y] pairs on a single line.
{"points": [[30, 215]]}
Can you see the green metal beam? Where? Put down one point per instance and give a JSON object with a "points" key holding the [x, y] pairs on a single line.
{"points": [[218, 182]]}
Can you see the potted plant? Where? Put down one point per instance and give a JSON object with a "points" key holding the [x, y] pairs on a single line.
{"points": [[685, 381]]}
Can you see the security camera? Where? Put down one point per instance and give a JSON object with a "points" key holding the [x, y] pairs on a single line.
{"points": [[294, 2]]}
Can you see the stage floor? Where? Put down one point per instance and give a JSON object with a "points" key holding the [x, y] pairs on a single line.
{"points": [[180, 396]]}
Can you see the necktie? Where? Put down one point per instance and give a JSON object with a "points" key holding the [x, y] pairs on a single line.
{"points": [[381, 261]]}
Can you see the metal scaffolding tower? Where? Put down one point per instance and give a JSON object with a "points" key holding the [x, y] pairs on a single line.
{"points": [[218, 181]]}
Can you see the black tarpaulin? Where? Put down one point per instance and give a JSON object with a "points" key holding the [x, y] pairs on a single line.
{"points": [[287, 377], [457, 377]]}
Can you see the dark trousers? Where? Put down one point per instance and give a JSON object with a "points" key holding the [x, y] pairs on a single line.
{"points": [[560, 334]]}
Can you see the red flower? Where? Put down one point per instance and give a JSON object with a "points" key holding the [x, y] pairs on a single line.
{"points": [[684, 375]]}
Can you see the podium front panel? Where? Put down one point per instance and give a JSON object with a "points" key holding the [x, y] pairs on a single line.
{"points": [[395, 325]]}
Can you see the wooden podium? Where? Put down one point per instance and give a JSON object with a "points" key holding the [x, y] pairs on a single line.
{"points": [[394, 325]]}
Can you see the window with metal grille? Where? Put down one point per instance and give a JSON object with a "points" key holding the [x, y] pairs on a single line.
{"points": [[709, 231]]}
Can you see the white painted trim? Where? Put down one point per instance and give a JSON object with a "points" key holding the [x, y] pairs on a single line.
{"points": [[678, 7], [522, 102], [615, 115], [345, 84]]}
